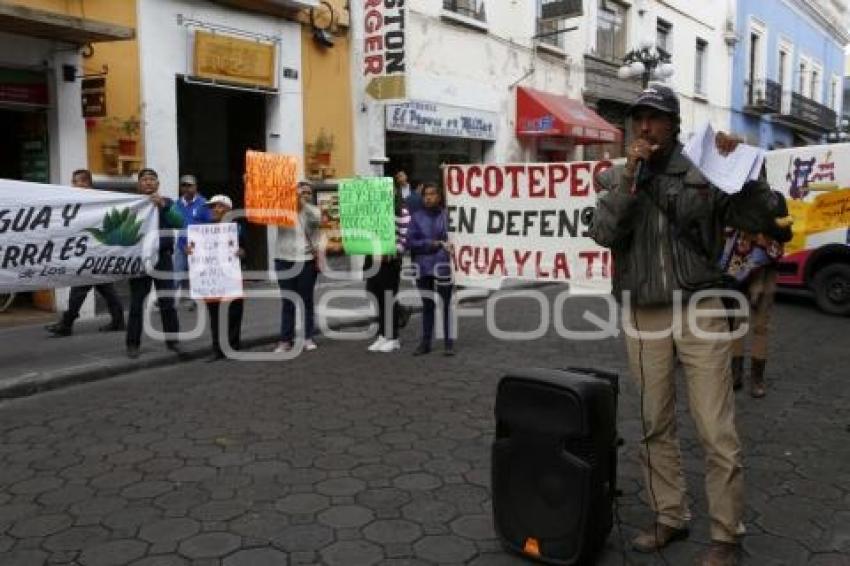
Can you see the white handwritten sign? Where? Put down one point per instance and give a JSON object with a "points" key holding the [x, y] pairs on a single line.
{"points": [[214, 270]]}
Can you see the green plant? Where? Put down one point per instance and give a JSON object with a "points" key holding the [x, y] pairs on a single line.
{"points": [[123, 127], [120, 228], [324, 142]]}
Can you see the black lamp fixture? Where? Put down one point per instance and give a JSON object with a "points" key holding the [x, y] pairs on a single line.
{"points": [[647, 62], [841, 133], [322, 20]]}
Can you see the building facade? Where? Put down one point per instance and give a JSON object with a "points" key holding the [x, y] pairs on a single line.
{"points": [[469, 62], [690, 32], [787, 84]]}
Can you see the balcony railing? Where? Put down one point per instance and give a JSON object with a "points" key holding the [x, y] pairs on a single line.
{"points": [[469, 8], [764, 96], [807, 112]]}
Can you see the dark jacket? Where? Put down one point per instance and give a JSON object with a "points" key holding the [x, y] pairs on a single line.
{"points": [[170, 218], [668, 235], [427, 226]]}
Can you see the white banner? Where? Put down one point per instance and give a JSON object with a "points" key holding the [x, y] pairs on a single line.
{"points": [[790, 171], [214, 269], [54, 236], [526, 221]]}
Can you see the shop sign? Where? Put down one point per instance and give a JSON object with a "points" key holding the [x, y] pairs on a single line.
{"points": [[441, 120], [18, 86], [94, 97], [223, 58], [384, 52]]}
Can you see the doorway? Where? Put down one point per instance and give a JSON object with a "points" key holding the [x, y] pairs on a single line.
{"points": [[24, 151], [215, 127], [25, 156]]}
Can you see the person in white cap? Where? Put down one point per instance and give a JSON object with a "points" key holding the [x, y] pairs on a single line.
{"points": [[218, 207]]}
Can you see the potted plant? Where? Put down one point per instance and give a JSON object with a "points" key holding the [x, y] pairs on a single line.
{"points": [[323, 147], [126, 131]]}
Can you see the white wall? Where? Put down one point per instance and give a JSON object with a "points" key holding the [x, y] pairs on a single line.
{"points": [[690, 20], [164, 47], [453, 65]]}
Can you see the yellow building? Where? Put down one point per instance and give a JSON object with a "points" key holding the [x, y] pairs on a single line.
{"points": [[327, 92]]}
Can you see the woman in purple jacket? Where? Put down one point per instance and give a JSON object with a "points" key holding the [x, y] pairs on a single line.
{"points": [[428, 240]]}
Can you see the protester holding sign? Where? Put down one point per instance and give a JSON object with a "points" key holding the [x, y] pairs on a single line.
{"points": [[298, 268], [428, 239], [81, 179], [751, 260], [169, 219], [384, 283], [219, 206]]}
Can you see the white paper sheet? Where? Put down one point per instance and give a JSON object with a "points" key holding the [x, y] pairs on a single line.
{"points": [[730, 172], [214, 270]]}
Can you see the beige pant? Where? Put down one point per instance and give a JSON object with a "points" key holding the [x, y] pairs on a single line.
{"points": [[712, 404], [760, 292]]}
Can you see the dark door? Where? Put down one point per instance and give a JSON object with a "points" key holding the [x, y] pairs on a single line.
{"points": [[215, 126]]}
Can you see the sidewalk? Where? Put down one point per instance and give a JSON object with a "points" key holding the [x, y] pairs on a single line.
{"points": [[33, 360]]}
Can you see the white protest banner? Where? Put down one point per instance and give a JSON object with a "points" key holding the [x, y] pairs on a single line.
{"points": [[54, 236], [526, 221], [214, 269]]}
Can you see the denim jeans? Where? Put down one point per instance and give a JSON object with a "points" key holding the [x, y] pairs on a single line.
{"points": [[298, 277]]}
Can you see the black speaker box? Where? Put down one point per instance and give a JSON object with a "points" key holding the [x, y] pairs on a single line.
{"points": [[554, 462]]}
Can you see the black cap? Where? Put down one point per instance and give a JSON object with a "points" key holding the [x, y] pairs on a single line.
{"points": [[659, 97]]}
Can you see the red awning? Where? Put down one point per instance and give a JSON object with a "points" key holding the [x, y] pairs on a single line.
{"points": [[544, 114]]}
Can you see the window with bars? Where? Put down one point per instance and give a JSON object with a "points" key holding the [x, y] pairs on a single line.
{"points": [[611, 30], [663, 31], [700, 66], [546, 29], [469, 8]]}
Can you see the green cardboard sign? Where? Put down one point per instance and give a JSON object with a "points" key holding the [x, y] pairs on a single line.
{"points": [[367, 216]]}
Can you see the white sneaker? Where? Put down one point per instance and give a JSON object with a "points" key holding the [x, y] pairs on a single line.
{"points": [[283, 347], [376, 345], [309, 345], [390, 346]]}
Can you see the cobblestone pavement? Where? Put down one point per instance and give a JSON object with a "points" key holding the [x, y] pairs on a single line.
{"points": [[342, 457]]}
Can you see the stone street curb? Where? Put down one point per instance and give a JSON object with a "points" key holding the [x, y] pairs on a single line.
{"points": [[56, 379]]}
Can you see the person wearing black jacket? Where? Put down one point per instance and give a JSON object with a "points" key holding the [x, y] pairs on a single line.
{"points": [[82, 179], [169, 218], [751, 260], [664, 223]]}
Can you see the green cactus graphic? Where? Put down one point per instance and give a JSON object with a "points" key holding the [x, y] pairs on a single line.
{"points": [[120, 228]]}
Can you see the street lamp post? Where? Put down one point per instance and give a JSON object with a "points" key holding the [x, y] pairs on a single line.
{"points": [[647, 62], [840, 134]]}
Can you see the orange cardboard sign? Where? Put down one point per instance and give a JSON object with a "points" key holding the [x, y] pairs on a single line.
{"points": [[270, 188]]}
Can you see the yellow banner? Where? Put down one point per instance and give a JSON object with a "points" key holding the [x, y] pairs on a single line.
{"points": [[233, 60], [828, 211]]}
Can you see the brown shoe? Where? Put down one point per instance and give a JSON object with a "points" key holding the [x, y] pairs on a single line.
{"points": [[657, 537], [720, 554], [758, 387]]}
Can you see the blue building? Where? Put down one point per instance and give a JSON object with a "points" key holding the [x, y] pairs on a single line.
{"points": [[788, 70]]}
